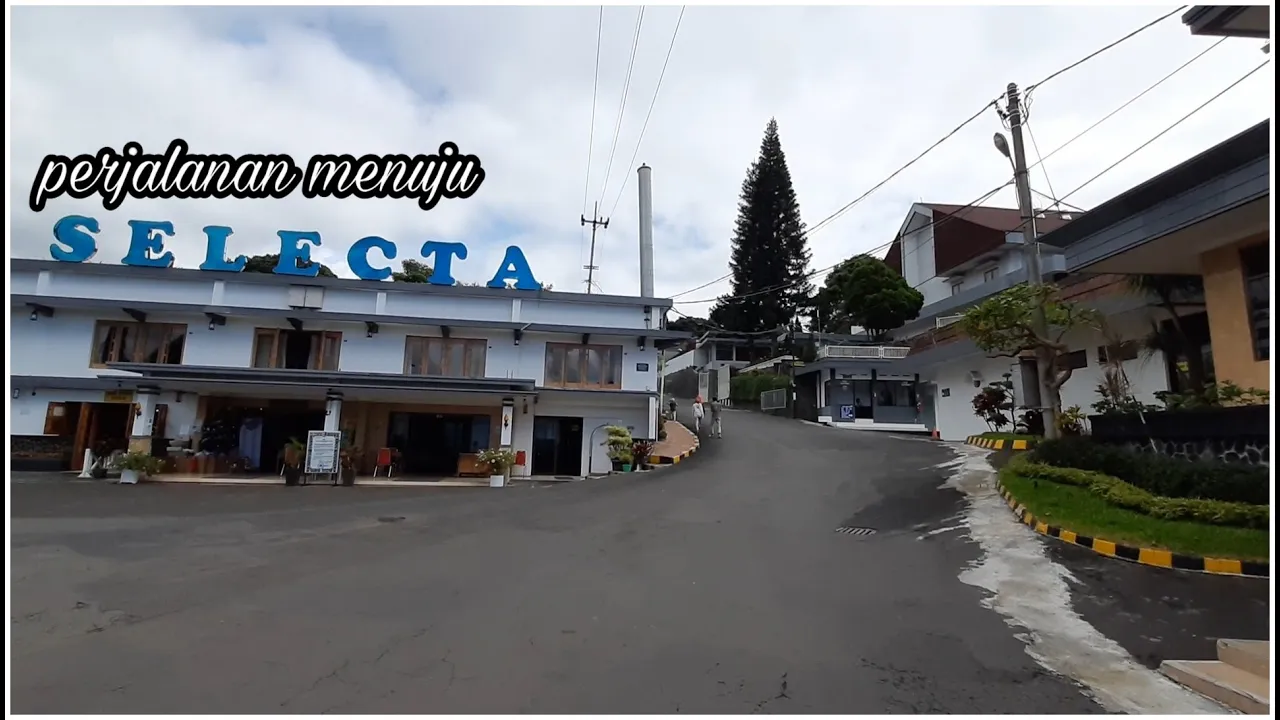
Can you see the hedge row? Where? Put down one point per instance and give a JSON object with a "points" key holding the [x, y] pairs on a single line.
{"points": [[1122, 494], [746, 388], [1159, 474]]}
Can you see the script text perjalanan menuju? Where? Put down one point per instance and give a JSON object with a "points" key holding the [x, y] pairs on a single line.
{"points": [[181, 174]]}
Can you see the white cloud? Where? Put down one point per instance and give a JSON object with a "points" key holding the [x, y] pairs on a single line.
{"points": [[856, 91]]}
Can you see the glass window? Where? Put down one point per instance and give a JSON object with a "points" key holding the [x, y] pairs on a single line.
{"points": [[1256, 265], [455, 364], [573, 365], [585, 366], [475, 359], [138, 342], [435, 358]]}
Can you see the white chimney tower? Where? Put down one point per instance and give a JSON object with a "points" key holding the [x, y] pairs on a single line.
{"points": [[646, 231]]}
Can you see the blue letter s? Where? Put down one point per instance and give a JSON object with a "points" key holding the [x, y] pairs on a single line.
{"points": [[71, 231]]}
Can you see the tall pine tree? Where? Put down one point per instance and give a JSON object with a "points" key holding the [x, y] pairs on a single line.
{"points": [[770, 249]]}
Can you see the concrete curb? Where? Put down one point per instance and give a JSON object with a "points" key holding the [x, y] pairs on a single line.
{"points": [[672, 460], [1143, 556], [1001, 444]]}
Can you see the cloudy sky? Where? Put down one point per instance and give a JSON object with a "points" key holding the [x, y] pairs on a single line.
{"points": [[856, 91]]}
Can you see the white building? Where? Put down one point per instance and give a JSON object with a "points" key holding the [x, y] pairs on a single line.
{"points": [[115, 355], [957, 257]]}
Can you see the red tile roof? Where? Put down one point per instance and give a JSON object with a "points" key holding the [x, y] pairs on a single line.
{"points": [[1002, 219]]}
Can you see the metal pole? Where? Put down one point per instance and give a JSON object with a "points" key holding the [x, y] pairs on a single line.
{"points": [[595, 222], [1031, 250]]}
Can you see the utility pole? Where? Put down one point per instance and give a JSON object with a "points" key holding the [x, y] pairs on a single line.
{"points": [[594, 222], [1031, 250]]}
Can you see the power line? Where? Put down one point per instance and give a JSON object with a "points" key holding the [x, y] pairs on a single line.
{"points": [[833, 216], [1105, 48], [622, 105], [647, 115], [1039, 160], [1162, 133], [1056, 201], [1131, 101], [829, 268]]}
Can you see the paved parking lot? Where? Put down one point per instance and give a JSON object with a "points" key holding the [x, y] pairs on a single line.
{"points": [[718, 585]]}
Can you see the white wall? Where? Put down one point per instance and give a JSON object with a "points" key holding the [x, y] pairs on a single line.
{"points": [[954, 414], [61, 346], [225, 290], [27, 411], [596, 412]]}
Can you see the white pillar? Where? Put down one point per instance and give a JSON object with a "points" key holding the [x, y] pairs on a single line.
{"points": [[333, 412], [653, 418]]}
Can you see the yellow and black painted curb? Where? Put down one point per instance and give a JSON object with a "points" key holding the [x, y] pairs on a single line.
{"points": [[1000, 444], [1140, 555], [672, 460]]}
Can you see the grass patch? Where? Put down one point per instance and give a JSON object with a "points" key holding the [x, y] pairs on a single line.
{"points": [[1077, 509], [1009, 436]]}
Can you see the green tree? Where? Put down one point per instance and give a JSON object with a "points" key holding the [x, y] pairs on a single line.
{"points": [[770, 255], [1003, 326], [413, 271], [267, 264], [865, 292]]}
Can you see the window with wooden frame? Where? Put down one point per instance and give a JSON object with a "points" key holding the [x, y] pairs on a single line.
{"points": [[296, 350], [583, 366], [154, 343], [444, 357]]}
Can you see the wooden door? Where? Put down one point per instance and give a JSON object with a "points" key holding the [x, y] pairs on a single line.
{"points": [[82, 436]]}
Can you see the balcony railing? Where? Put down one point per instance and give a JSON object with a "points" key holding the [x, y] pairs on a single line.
{"points": [[862, 352]]}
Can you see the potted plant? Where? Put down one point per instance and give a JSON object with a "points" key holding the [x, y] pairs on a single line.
{"points": [[135, 466], [641, 451], [293, 454], [499, 462], [348, 464], [618, 441]]}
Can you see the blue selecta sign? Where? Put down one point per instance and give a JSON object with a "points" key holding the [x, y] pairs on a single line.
{"points": [[75, 242]]}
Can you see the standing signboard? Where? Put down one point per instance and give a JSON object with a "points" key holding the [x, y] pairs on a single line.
{"points": [[323, 454]]}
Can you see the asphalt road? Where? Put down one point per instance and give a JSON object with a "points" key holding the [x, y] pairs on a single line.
{"points": [[717, 586]]}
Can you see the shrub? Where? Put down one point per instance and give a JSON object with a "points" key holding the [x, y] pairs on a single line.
{"points": [[1160, 474], [746, 387], [1122, 494]]}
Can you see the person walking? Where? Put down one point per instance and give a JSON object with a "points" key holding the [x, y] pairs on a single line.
{"points": [[697, 416], [672, 404], [716, 429]]}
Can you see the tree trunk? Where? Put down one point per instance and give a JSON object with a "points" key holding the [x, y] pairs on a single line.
{"points": [[1053, 402]]}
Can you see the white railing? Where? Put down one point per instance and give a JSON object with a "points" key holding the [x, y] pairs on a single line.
{"points": [[773, 399], [862, 352]]}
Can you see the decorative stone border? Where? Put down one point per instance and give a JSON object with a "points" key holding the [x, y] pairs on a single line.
{"points": [[1140, 555]]}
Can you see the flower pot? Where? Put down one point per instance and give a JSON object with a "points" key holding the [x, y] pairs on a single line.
{"points": [[292, 475], [617, 465], [626, 467], [128, 477], [497, 481], [348, 476]]}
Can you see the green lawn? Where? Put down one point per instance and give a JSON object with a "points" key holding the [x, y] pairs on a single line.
{"points": [[1009, 436], [1075, 508]]}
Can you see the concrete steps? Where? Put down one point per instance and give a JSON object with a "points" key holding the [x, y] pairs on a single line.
{"points": [[1239, 678]]}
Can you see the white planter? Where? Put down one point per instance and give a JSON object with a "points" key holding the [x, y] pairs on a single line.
{"points": [[497, 481], [128, 477]]}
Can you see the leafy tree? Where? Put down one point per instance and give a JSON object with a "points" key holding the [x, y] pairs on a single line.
{"points": [[865, 292], [1003, 326], [686, 324], [267, 264], [770, 256], [413, 271]]}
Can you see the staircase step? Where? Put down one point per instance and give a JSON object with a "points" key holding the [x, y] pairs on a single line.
{"points": [[1225, 683], [1252, 656]]}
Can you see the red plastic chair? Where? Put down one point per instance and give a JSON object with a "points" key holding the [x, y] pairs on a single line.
{"points": [[386, 459]]}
